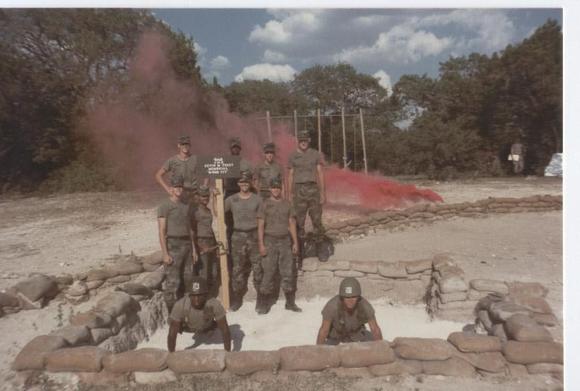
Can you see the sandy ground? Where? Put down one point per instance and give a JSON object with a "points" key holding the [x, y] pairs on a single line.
{"points": [[72, 233]]}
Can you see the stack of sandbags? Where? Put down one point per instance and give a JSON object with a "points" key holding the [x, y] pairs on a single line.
{"points": [[448, 294]]}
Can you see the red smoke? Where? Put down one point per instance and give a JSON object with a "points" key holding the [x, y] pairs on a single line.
{"points": [[136, 127]]}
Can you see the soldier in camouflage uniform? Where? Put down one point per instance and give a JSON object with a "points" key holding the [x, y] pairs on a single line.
{"points": [[268, 170], [183, 164], [306, 186], [207, 265], [244, 250], [176, 219], [276, 226]]}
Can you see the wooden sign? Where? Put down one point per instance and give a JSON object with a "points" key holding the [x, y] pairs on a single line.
{"points": [[218, 166]]}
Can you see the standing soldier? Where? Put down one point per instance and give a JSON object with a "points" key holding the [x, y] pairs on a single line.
{"points": [[276, 226], [175, 220], [268, 170], [206, 243], [306, 186], [183, 164], [244, 250], [517, 152]]}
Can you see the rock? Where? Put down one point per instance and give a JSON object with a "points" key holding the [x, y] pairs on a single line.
{"points": [[140, 360], [423, 348], [525, 329], [74, 335], [94, 284], [248, 362], [527, 289], [451, 367], [503, 310], [197, 361], [117, 303], [452, 283], [98, 335], [474, 343], [392, 270], [398, 367], [37, 287], [364, 354], [151, 280], [453, 296], [549, 320], [80, 359], [78, 288], [98, 274], [489, 286], [8, 300], [493, 362], [135, 289], [34, 352], [310, 264], [334, 265], [419, 266], [124, 268], [91, 319], [364, 266], [348, 273], [533, 352], [154, 378], [119, 279], [309, 358], [544, 368], [534, 304]]}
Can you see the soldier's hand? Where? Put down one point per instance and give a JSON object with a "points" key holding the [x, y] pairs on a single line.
{"points": [[167, 260], [214, 192], [194, 257], [263, 250], [294, 248]]}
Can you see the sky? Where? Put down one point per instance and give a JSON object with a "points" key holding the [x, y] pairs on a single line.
{"points": [[275, 44]]}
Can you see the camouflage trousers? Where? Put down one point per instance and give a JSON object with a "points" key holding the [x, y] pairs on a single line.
{"points": [[306, 199], [245, 258], [207, 264], [279, 260], [178, 275]]}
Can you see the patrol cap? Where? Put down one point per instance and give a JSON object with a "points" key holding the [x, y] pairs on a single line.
{"points": [[246, 177], [235, 142], [203, 191], [269, 147], [176, 181], [183, 140], [303, 135], [276, 183], [349, 287], [198, 286]]}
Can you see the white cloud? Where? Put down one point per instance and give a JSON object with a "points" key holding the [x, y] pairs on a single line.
{"points": [[200, 50], [273, 56], [219, 63], [291, 26], [275, 73], [384, 81]]}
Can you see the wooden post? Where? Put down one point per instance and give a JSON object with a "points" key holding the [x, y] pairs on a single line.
{"points": [[344, 158], [364, 145], [269, 126], [296, 125], [319, 131], [222, 238]]}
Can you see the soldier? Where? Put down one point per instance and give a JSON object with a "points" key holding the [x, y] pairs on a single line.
{"points": [[175, 220], [183, 164], [244, 250], [306, 186], [198, 314], [276, 226], [205, 241], [268, 170], [517, 152], [345, 315]]}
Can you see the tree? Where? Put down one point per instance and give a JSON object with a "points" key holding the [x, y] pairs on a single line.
{"points": [[258, 96]]}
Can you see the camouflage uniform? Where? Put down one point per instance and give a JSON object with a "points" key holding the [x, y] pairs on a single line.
{"points": [[265, 172], [185, 169], [207, 265], [347, 327]]}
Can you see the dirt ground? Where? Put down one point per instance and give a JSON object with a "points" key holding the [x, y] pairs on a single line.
{"points": [[73, 233]]}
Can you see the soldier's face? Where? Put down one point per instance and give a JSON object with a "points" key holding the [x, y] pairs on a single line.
{"points": [[269, 157], [197, 301], [204, 200], [184, 148], [235, 150], [244, 187], [303, 144], [177, 191], [350, 302], [276, 192]]}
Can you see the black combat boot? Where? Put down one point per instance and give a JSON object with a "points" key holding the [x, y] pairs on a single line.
{"points": [[262, 306], [291, 302]]}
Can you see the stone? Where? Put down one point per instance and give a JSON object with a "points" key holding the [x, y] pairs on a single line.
{"points": [[309, 358], [94, 284], [503, 310], [534, 304], [419, 266], [474, 343], [364, 266], [517, 370], [79, 359], [135, 289], [140, 360], [334, 265], [549, 320], [525, 329], [310, 264], [493, 362], [398, 367], [124, 268], [119, 279], [92, 319], [154, 378], [423, 349], [533, 352], [197, 361], [98, 274], [98, 335], [348, 273], [103, 378], [117, 303], [450, 367], [364, 354], [452, 283], [8, 300], [392, 270], [489, 286], [499, 331], [544, 368], [248, 362], [527, 289], [483, 317], [37, 287], [33, 354], [74, 335], [453, 296], [78, 288]]}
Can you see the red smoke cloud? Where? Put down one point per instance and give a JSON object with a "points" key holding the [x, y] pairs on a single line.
{"points": [[137, 125]]}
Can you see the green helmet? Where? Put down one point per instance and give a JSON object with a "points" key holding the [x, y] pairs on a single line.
{"points": [[303, 135], [183, 140], [269, 147], [349, 287], [276, 183], [203, 191], [198, 286]]}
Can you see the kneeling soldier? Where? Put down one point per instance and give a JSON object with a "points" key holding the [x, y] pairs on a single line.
{"points": [[276, 226], [345, 315], [197, 314]]}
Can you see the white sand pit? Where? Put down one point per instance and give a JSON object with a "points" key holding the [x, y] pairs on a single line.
{"points": [[280, 327]]}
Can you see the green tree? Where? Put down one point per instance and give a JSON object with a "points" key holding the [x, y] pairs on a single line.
{"points": [[258, 96]]}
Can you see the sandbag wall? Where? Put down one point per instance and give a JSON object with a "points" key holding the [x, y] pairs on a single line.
{"points": [[425, 213]]}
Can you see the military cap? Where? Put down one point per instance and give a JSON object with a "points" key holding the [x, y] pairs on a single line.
{"points": [[203, 191], [183, 140], [349, 287], [246, 177], [198, 286], [176, 181], [303, 135], [269, 147], [235, 142], [276, 182]]}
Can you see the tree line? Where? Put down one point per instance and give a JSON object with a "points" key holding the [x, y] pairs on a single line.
{"points": [[460, 122]]}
